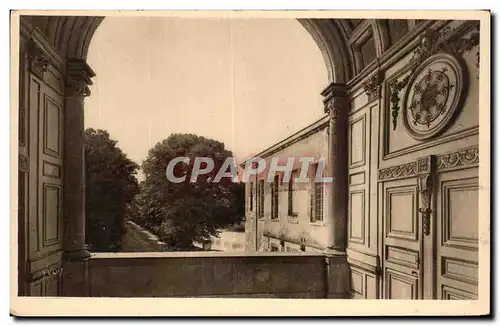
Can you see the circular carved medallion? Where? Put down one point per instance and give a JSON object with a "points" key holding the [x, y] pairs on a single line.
{"points": [[433, 96]]}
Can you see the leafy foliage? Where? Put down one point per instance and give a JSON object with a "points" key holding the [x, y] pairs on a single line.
{"points": [[181, 213], [110, 186]]}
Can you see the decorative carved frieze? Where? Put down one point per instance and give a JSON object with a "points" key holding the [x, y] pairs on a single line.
{"points": [[23, 163], [373, 86], [447, 40], [79, 78], [39, 61], [398, 171], [462, 159], [466, 157]]}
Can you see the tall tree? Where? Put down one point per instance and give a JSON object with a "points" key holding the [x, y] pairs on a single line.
{"points": [[110, 186], [181, 213]]}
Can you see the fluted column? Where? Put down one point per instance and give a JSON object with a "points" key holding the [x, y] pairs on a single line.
{"points": [[78, 79], [337, 106]]}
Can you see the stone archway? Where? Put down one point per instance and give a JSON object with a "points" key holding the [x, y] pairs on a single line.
{"points": [[62, 42]]}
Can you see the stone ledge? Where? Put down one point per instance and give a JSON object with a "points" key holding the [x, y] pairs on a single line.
{"points": [[197, 254]]}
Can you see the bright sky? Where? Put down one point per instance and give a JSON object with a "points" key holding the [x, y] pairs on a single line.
{"points": [[246, 82]]}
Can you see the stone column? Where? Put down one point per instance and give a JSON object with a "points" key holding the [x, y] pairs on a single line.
{"points": [[337, 104], [75, 253]]}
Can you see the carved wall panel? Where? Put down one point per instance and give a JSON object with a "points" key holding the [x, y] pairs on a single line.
{"points": [[363, 284], [450, 293], [357, 179], [357, 216], [52, 127], [371, 287], [460, 207], [51, 170], [52, 214], [357, 283], [460, 270], [401, 256], [400, 286], [357, 133], [402, 219]]}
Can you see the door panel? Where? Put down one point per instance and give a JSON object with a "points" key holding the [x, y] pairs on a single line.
{"points": [[457, 234], [401, 241]]}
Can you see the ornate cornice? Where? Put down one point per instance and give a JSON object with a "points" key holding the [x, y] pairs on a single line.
{"points": [[451, 161], [79, 78], [23, 163], [39, 61], [373, 86]]}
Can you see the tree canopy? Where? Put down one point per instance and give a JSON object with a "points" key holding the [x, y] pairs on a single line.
{"points": [[181, 213], [111, 185]]}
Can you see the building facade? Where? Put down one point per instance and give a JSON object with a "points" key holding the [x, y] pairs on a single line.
{"points": [[286, 215]]}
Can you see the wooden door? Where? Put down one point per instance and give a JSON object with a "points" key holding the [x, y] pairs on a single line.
{"points": [[430, 229], [402, 240], [457, 234], [42, 193]]}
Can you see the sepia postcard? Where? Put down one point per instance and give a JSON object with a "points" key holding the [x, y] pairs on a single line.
{"points": [[250, 163]]}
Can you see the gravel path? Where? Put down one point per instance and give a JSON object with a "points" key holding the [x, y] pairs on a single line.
{"points": [[137, 239]]}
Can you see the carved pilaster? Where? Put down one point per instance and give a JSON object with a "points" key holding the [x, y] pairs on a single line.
{"points": [[373, 86], [426, 168], [39, 61]]}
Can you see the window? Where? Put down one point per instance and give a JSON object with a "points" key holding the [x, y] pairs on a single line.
{"points": [[274, 248], [291, 189], [316, 203], [275, 198], [251, 196], [260, 198]]}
